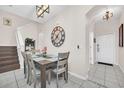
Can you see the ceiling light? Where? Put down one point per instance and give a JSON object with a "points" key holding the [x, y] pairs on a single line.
{"points": [[107, 15], [41, 9]]}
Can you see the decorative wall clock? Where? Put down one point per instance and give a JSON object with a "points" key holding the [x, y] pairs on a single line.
{"points": [[58, 36]]}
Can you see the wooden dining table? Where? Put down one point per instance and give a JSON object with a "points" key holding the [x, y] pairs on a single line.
{"points": [[45, 62]]}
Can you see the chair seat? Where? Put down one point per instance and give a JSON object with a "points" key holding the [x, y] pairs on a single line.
{"points": [[59, 71]]}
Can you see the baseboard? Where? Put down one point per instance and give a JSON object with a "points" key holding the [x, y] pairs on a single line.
{"points": [[78, 76], [121, 68]]}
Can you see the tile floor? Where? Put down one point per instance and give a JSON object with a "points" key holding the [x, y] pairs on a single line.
{"points": [[100, 76], [107, 76]]}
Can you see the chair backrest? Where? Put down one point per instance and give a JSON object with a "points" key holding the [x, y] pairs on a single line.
{"points": [[62, 59], [25, 57], [31, 64]]}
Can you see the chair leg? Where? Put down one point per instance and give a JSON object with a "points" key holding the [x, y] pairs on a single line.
{"points": [[24, 70], [28, 76], [35, 82], [57, 80], [49, 76], [65, 73]]}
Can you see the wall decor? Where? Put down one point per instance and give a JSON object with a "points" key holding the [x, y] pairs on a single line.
{"points": [[29, 44], [121, 36], [58, 36], [7, 21]]}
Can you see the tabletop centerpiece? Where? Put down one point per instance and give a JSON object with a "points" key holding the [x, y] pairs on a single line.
{"points": [[44, 52]]}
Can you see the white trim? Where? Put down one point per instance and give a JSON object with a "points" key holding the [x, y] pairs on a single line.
{"points": [[78, 76]]}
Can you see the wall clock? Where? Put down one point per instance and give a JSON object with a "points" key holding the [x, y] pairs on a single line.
{"points": [[57, 36]]}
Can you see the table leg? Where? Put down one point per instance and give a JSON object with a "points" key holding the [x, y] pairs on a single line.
{"points": [[66, 74], [43, 76]]}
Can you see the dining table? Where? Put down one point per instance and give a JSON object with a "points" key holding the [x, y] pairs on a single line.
{"points": [[46, 61]]}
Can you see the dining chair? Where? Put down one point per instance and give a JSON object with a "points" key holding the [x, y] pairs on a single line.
{"points": [[34, 73], [62, 66], [26, 66]]}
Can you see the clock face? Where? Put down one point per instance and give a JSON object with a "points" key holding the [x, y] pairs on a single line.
{"points": [[58, 36]]}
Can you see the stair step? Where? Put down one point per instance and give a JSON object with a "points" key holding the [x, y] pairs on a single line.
{"points": [[8, 62], [8, 50], [8, 58], [8, 47], [9, 67], [8, 54]]}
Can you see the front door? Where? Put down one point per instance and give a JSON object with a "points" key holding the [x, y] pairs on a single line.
{"points": [[105, 48]]}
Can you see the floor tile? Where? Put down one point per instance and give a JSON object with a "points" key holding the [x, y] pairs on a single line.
{"points": [[9, 85], [88, 84], [76, 80], [100, 76], [71, 84], [112, 85], [98, 80]]}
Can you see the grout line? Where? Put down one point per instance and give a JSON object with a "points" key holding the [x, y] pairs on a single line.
{"points": [[16, 80], [100, 85], [117, 78], [105, 76], [75, 82]]}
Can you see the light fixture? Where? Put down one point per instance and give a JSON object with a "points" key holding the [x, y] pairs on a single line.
{"points": [[41, 9], [107, 15]]}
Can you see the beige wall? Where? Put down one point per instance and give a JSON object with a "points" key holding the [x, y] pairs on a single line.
{"points": [[73, 20], [108, 27], [7, 33], [121, 49]]}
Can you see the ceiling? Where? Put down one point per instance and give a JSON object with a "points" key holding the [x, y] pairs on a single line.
{"points": [[96, 14], [29, 11]]}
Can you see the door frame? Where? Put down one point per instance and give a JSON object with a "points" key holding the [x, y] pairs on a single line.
{"points": [[93, 60], [91, 48]]}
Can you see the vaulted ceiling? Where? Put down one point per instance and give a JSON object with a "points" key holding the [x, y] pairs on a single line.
{"points": [[29, 11]]}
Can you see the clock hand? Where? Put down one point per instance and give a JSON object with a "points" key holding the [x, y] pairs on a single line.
{"points": [[57, 36]]}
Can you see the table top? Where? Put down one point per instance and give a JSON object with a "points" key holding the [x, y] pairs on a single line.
{"points": [[49, 57]]}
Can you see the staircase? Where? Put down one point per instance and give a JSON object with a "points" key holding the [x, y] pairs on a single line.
{"points": [[8, 58]]}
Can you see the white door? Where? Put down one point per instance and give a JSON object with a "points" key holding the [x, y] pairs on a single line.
{"points": [[105, 48]]}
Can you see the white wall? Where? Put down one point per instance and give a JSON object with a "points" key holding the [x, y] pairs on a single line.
{"points": [[90, 30], [74, 22], [30, 31], [7, 33]]}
